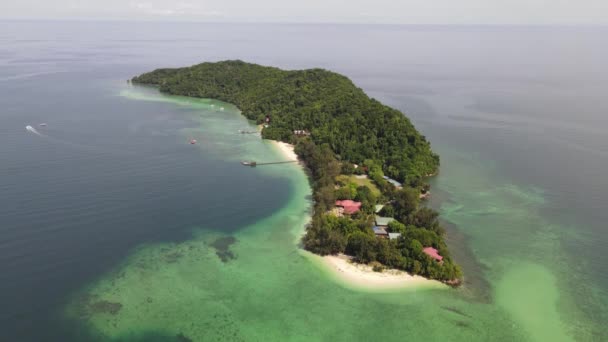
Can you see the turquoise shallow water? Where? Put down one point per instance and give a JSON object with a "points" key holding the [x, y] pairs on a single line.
{"points": [[115, 228], [266, 289]]}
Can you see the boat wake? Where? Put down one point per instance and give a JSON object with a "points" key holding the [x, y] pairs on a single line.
{"points": [[32, 130], [101, 150]]}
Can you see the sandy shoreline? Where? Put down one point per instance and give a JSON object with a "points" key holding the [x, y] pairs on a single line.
{"points": [[362, 276], [287, 150]]}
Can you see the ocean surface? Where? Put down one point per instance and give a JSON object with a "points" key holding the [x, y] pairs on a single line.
{"points": [[113, 227]]}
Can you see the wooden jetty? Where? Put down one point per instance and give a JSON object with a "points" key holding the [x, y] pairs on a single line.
{"points": [[254, 164]]}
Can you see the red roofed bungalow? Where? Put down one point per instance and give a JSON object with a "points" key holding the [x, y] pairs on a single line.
{"points": [[350, 207], [432, 252]]}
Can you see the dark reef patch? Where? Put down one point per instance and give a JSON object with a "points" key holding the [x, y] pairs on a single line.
{"points": [[173, 257], [456, 311], [222, 248], [183, 338], [462, 324], [104, 306], [90, 304]]}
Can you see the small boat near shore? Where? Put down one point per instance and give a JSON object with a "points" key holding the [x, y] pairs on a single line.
{"points": [[192, 141], [249, 163]]}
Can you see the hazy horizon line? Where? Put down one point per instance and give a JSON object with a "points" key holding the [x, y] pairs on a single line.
{"points": [[344, 23]]}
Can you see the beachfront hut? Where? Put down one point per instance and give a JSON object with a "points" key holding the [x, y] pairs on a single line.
{"points": [[383, 221], [350, 207], [433, 253], [301, 132], [393, 236], [392, 181], [380, 232]]}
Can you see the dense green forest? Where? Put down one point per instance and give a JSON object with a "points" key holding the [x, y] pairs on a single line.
{"points": [[350, 133], [324, 103]]}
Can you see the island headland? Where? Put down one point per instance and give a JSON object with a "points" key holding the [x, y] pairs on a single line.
{"points": [[368, 164]]}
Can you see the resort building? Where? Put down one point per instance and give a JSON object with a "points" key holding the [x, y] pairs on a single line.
{"points": [[300, 132], [378, 208], [394, 236], [392, 181], [380, 232], [383, 221], [350, 207], [433, 253]]}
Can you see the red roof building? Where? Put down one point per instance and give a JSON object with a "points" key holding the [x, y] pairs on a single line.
{"points": [[433, 253], [350, 207]]}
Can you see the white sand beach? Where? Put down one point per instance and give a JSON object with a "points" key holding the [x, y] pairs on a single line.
{"points": [[362, 276], [286, 149]]}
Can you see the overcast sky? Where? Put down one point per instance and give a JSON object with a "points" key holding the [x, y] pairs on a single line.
{"points": [[586, 12]]}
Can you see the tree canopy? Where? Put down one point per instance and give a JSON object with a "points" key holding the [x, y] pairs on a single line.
{"points": [[326, 104]]}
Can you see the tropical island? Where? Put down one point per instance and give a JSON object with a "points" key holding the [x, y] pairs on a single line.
{"points": [[368, 164]]}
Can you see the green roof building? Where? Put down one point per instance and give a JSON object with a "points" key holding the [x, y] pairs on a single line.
{"points": [[383, 221]]}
